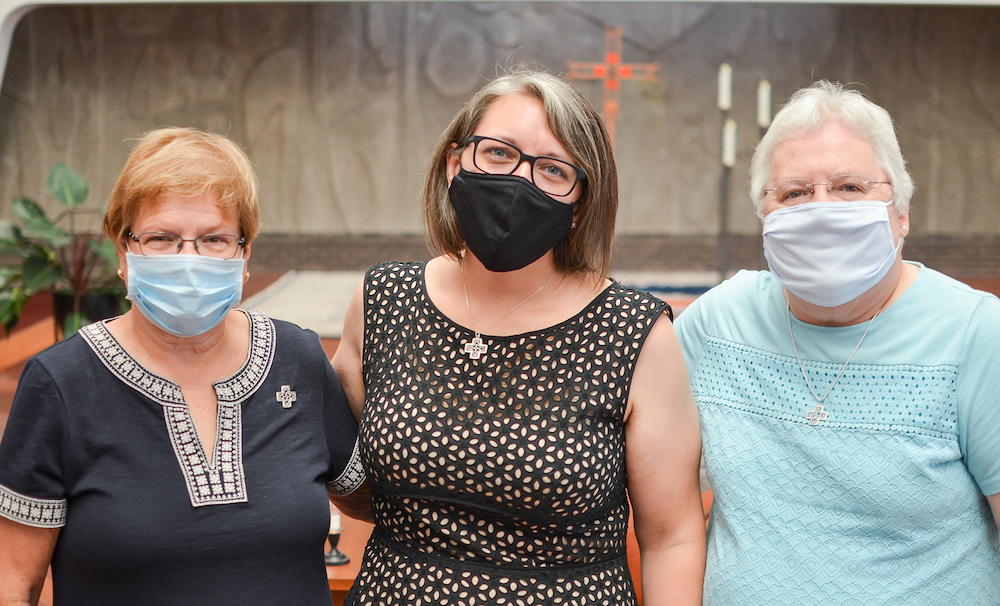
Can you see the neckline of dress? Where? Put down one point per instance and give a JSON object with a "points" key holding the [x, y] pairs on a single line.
{"points": [[243, 370], [598, 299]]}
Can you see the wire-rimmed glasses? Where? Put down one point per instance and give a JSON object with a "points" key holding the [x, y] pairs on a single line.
{"points": [[553, 176], [843, 188], [219, 246]]}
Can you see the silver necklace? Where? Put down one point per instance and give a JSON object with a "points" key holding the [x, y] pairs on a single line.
{"points": [[817, 414], [476, 347]]}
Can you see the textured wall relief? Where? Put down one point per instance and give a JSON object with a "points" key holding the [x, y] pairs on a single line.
{"points": [[341, 104]]}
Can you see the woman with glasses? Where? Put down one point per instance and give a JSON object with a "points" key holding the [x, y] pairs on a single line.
{"points": [[512, 399], [848, 398], [184, 452]]}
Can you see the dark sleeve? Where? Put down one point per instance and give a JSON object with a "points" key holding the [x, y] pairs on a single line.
{"points": [[32, 487], [341, 430]]}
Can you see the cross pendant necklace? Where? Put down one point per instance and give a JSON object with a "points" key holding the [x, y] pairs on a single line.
{"points": [[476, 347], [817, 414]]}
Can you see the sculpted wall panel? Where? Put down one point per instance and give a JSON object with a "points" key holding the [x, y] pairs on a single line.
{"points": [[341, 104]]}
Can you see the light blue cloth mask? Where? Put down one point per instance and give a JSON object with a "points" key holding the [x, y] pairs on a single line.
{"points": [[829, 253], [186, 295]]}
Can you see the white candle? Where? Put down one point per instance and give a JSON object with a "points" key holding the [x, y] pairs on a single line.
{"points": [[729, 143], [763, 104], [725, 87]]}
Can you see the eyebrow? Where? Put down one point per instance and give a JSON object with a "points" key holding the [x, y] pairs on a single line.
{"points": [[510, 140]]}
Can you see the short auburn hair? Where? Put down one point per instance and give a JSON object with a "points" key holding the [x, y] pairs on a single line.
{"points": [[189, 162]]}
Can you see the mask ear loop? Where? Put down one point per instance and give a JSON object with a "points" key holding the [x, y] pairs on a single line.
{"points": [[903, 230]]}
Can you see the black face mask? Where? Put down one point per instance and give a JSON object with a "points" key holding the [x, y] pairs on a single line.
{"points": [[507, 222]]}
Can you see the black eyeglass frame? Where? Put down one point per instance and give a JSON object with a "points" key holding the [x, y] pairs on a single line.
{"points": [[240, 243], [581, 176]]}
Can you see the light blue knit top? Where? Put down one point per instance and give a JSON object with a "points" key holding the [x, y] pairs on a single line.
{"points": [[882, 501]]}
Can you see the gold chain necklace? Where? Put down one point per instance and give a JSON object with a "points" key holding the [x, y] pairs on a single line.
{"points": [[817, 414], [476, 347]]}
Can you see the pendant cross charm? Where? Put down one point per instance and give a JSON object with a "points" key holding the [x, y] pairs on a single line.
{"points": [[816, 415], [286, 396], [475, 347]]}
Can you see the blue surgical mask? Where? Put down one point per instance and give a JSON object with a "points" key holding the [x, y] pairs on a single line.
{"points": [[829, 253], [186, 295]]}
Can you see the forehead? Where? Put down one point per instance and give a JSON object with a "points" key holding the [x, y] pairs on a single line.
{"points": [[174, 212], [521, 120], [832, 150]]}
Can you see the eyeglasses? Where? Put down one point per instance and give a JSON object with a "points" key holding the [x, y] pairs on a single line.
{"points": [[220, 246], [553, 176], [844, 188]]}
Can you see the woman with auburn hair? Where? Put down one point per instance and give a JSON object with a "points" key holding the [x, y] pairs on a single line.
{"points": [[184, 452], [512, 399]]}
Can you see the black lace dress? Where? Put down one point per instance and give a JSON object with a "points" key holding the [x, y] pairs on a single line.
{"points": [[497, 480]]}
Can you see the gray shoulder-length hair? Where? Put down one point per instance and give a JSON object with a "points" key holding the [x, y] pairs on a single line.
{"points": [[808, 110], [578, 127]]}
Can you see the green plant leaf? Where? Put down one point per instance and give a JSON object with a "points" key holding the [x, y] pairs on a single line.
{"points": [[26, 210], [42, 229], [9, 233], [11, 305], [11, 242], [35, 225], [7, 274], [38, 275], [74, 321], [67, 185]]}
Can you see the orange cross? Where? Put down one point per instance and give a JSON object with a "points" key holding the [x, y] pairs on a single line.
{"points": [[612, 71]]}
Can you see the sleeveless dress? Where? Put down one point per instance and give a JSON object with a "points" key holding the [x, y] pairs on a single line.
{"points": [[498, 479]]}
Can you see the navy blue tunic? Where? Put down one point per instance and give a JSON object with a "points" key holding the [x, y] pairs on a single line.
{"points": [[107, 450]]}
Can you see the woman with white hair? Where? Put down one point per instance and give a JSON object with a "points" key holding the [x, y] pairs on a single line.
{"points": [[848, 398]]}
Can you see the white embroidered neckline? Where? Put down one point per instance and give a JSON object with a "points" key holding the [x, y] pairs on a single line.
{"points": [[221, 480]]}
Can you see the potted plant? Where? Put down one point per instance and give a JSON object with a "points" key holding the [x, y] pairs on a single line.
{"points": [[78, 267]]}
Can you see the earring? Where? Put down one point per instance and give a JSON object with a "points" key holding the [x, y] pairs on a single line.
{"points": [[120, 276], [246, 277], [905, 229], [572, 225]]}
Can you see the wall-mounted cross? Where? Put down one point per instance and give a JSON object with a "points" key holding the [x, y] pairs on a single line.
{"points": [[612, 71]]}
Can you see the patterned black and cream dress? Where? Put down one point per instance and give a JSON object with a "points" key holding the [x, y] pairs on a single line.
{"points": [[501, 479]]}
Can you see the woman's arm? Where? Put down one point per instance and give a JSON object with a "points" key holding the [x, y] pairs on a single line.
{"points": [[347, 359], [994, 501], [347, 364], [663, 451], [25, 553], [357, 505]]}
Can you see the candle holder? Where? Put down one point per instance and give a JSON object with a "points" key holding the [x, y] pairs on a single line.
{"points": [[335, 557]]}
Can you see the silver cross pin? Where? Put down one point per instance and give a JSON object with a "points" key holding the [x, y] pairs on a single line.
{"points": [[286, 396], [475, 348], [816, 415]]}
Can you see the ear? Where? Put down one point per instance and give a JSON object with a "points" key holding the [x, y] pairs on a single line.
{"points": [[454, 162], [123, 268], [246, 252], [121, 250], [904, 223]]}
